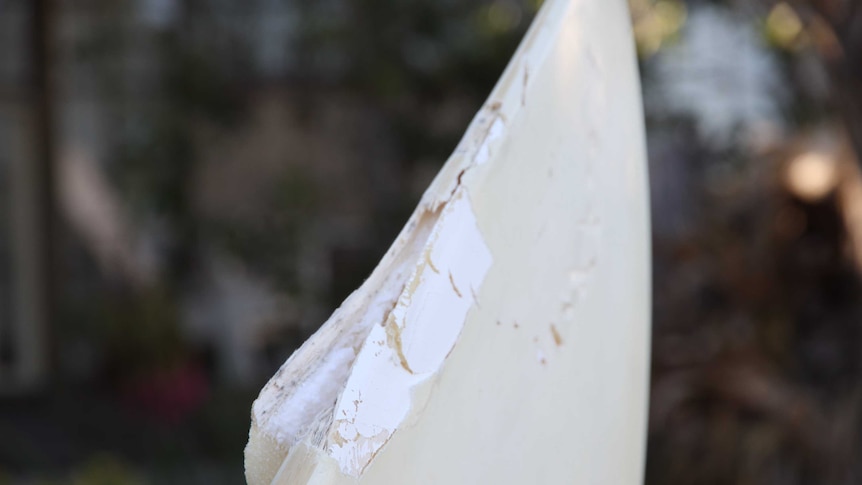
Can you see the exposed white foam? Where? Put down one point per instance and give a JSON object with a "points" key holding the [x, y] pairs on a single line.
{"points": [[320, 390]]}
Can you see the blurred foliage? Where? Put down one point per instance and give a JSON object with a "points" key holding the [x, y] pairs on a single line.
{"points": [[105, 470], [655, 23], [784, 27], [756, 366]]}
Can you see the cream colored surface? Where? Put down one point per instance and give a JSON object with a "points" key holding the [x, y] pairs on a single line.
{"points": [[532, 365]]}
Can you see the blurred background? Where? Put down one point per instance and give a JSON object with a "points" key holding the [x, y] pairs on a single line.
{"points": [[189, 187]]}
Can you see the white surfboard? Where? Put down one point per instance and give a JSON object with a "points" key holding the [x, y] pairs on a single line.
{"points": [[504, 337]]}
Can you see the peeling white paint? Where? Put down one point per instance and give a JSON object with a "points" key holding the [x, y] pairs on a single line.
{"points": [[414, 341]]}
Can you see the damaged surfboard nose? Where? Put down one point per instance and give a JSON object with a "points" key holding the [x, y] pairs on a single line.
{"points": [[356, 374], [505, 333], [301, 397], [412, 344]]}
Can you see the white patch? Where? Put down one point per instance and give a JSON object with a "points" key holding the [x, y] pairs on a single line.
{"points": [[413, 343], [497, 130]]}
